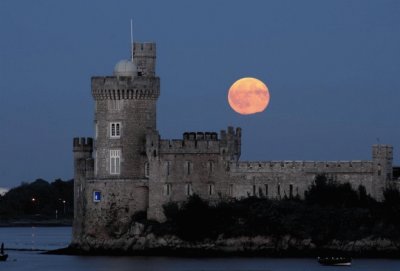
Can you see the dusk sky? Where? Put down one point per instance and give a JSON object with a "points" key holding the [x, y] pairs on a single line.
{"points": [[332, 69]]}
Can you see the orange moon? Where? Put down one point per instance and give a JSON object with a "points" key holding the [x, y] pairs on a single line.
{"points": [[248, 96]]}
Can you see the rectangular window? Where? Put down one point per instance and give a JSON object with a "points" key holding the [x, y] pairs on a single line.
{"points": [[115, 161], [291, 191], [96, 196], [115, 129], [266, 190], [279, 190], [146, 169], [210, 167], [254, 190], [231, 190], [167, 189], [189, 167], [168, 165], [188, 189], [211, 189]]}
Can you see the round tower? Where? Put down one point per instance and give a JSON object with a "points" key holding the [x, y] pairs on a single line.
{"points": [[125, 108]]}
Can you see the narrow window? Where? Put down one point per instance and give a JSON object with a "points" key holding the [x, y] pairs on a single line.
{"points": [[279, 190], [266, 190], [167, 189], [146, 169], [210, 166], [254, 190], [291, 191], [189, 190], [211, 189], [168, 167], [231, 190], [188, 167], [96, 196], [115, 129], [115, 160]]}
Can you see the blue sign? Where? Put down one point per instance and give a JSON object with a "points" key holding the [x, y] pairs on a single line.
{"points": [[96, 196]]}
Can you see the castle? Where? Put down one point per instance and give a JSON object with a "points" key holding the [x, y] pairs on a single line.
{"points": [[128, 167]]}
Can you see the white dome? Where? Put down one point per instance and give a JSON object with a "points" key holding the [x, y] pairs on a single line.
{"points": [[125, 68]]}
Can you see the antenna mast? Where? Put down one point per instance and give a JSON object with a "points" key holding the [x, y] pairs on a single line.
{"points": [[131, 40]]}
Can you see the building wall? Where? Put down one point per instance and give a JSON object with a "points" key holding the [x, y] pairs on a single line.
{"points": [[156, 171]]}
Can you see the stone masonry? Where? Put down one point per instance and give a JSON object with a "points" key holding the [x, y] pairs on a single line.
{"points": [[128, 167]]}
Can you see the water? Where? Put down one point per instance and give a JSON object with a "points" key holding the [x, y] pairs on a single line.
{"points": [[51, 238]]}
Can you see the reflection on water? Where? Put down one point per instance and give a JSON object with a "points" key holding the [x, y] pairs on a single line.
{"points": [[36, 238], [53, 238]]}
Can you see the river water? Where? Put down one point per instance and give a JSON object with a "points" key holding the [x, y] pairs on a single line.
{"points": [[25, 245]]}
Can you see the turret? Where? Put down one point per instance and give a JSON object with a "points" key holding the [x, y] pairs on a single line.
{"points": [[144, 57], [83, 169], [382, 156], [125, 111], [382, 159]]}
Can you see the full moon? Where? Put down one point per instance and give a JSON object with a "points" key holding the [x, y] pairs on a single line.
{"points": [[248, 96]]}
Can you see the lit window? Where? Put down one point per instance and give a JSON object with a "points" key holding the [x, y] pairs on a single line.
{"points": [[115, 161], [115, 129], [96, 196]]}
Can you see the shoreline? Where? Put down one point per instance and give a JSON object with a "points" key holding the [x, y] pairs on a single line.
{"points": [[184, 252], [36, 223], [201, 253]]}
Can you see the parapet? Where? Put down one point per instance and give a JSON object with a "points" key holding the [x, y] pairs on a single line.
{"points": [[144, 57], [82, 144], [122, 88], [380, 151], [304, 166], [200, 136], [147, 49], [228, 144]]}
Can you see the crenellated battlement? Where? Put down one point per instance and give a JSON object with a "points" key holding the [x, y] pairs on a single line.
{"points": [[82, 144], [144, 57], [228, 143], [304, 166], [121, 88]]}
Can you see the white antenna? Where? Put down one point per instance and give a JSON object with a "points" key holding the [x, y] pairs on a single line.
{"points": [[131, 40]]}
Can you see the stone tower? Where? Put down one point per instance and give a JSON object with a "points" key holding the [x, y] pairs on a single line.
{"points": [[112, 185], [382, 159], [125, 109], [83, 165]]}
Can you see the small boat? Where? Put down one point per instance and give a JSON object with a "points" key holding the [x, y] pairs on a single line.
{"points": [[336, 261], [3, 257]]}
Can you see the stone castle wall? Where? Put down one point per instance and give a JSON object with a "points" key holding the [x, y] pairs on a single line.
{"points": [[155, 171]]}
